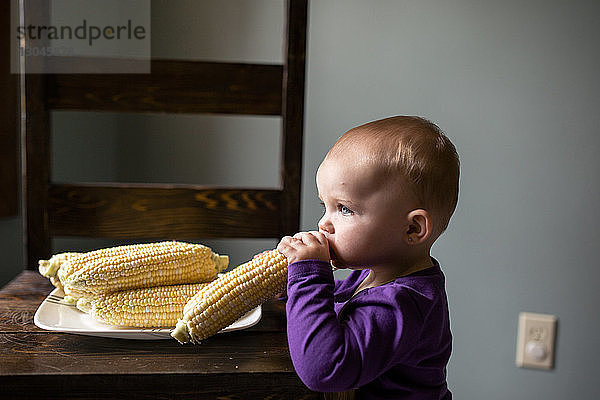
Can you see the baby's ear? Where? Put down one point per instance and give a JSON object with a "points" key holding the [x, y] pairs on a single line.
{"points": [[420, 227]]}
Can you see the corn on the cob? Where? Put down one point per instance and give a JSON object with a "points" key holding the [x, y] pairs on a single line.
{"points": [[49, 268], [134, 266], [232, 295], [155, 307]]}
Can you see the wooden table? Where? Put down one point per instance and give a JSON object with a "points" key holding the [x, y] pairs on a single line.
{"points": [[38, 364]]}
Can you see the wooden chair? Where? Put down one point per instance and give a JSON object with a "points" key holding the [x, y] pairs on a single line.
{"points": [[9, 117], [156, 211]]}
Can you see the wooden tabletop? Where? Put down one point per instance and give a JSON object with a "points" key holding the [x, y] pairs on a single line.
{"points": [[34, 363]]}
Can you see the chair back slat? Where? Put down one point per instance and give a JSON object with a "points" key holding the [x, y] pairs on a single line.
{"points": [[144, 211]]}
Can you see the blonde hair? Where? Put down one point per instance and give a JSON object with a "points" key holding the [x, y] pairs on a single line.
{"points": [[416, 150]]}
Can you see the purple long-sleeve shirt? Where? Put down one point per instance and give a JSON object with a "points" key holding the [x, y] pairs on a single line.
{"points": [[390, 341]]}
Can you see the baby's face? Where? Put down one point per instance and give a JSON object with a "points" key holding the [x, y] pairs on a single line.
{"points": [[365, 212]]}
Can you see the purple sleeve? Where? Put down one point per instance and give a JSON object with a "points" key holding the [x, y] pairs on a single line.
{"points": [[332, 355]]}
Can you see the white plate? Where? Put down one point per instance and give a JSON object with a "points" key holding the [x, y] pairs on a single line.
{"points": [[56, 315]]}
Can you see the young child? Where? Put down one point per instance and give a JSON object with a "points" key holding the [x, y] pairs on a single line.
{"points": [[389, 188]]}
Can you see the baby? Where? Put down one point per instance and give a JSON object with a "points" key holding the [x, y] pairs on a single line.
{"points": [[388, 189]]}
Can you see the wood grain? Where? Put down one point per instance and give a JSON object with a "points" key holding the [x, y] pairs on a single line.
{"points": [[162, 211], [173, 87], [128, 212], [28, 283], [253, 351], [184, 386], [9, 117], [293, 113], [248, 364], [36, 154], [35, 146]]}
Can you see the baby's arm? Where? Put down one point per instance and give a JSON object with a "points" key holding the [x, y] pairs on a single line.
{"points": [[329, 354]]}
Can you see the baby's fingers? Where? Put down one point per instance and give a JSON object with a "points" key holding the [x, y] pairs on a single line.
{"points": [[320, 237], [284, 242], [314, 239], [288, 243]]}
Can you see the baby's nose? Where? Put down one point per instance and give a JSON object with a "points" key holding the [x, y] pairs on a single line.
{"points": [[325, 225]]}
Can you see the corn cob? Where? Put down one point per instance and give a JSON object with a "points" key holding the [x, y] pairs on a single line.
{"points": [[134, 266], [232, 295], [49, 268], [155, 307]]}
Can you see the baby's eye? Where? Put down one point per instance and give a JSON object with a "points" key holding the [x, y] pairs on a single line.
{"points": [[345, 210]]}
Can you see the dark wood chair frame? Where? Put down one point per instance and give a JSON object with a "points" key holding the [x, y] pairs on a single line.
{"points": [[159, 211], [9, 120]]}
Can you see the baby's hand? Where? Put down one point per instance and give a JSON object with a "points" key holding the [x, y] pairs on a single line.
{"points": [[311, 245]]}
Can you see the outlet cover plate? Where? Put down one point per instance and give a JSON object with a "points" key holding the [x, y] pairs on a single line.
{"points": [[536, 340]]}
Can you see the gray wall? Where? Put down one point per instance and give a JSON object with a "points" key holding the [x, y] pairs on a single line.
{"points": [[514, 84]]}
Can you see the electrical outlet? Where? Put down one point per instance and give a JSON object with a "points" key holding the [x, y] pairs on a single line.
{"points": [[535, 340]]}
